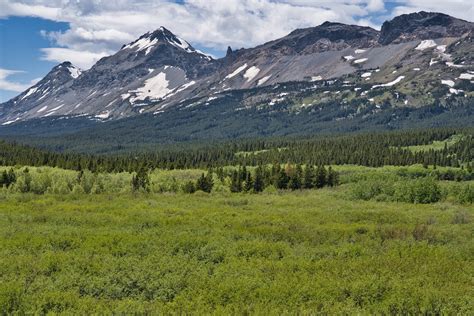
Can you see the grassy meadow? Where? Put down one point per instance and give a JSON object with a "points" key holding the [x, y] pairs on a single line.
{"points": [[329, 251]]}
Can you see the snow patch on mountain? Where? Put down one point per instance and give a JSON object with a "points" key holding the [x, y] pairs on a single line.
{"points": [[359, 61], [426, 44], [349, 57], [360, 51], [56, 108], [11, 122], [389, 84], [263, 80], [366, 74], [455, 91], [154, 88], [453, 65], [207, 56], [180, 88], [449, 83], [143, 43], [441, 48], [236, 72], [466, 76], [251, 73], [49, 114], [30, 92], [42, 109], [103, 116], [75, 72]]}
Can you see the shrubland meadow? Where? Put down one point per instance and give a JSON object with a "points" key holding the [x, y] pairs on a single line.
{"points": [[378, 223]]}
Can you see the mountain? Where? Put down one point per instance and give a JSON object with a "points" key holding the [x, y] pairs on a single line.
{"points": [[329, 75]]}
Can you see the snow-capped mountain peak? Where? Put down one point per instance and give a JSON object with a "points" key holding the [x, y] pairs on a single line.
{"points": [[159, 70], [150, 40], [74, 71]]}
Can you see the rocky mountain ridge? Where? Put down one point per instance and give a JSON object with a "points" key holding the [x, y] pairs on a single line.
{"points": [[415, 60]]}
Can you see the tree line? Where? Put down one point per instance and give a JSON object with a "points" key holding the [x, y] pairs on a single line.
{"points": [[290, 177], [366, 149]]}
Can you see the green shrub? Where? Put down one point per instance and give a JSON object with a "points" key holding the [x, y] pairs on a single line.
{"points": [[189, 187], [466, 194], [423, 190], [461, 217], [372, 189]]}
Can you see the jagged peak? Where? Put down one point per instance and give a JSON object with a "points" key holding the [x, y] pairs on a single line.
{"points": [[162, 35], [68, 67]]}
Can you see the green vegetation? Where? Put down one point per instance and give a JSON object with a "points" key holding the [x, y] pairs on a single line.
{"points": [[437, 144], [302, 251], [343, 225]]}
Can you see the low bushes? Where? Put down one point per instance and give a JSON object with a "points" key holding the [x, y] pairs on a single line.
{"points": [[423, 190]]}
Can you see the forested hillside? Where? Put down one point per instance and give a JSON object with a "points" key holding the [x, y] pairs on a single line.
{"points": [[366, 149]]}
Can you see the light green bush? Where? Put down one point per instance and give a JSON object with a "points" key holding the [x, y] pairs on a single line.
{"points": [[423, 190]]}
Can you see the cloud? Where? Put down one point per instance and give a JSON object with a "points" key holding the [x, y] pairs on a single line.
{"points": [[8, 85], [82, 59], [98, 28], [17, 8]]}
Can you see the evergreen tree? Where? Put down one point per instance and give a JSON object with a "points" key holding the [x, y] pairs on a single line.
{"points": [[220, 174], [141, 180], [11, 177], [189, 187], [258, 184], [248, 183], [236, 183], [205, 183], [4, 179], [27, 179], [282, 181], [320, 177], [295, 181], [309, 177], [332, 178]]}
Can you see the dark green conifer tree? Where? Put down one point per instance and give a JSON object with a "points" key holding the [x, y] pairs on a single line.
{"points": [[282, 181], [332, 178], [320, 177], [141, 180], [259, 184], [205, 182], [235, 183], [309, 177], [248, 186]]}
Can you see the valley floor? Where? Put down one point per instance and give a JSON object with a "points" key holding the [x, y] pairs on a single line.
{"points": [[273, 253]]}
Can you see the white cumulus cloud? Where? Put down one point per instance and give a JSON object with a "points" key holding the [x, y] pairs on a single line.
{"points": [[80, 58], [10, 85], [98, 28]]}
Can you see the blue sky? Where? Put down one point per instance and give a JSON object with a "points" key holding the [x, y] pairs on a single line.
{"points": [[20, 42], [36, 35]]}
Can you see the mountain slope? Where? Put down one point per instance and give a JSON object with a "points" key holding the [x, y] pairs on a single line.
{"points": [[330, 73]]}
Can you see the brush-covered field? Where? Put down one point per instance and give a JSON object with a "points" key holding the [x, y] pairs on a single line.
{"points": [[344, 250]]}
